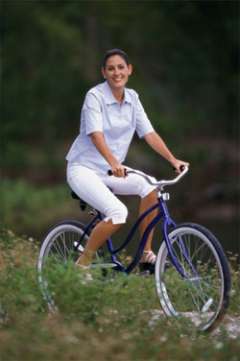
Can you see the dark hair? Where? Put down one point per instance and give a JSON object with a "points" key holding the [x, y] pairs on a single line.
{"points": [[112, 52]]}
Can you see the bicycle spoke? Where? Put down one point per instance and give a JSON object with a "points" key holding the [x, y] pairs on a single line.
{"points": [[58, 248], [64, 246]]}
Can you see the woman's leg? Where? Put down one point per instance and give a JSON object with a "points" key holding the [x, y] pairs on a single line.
{"points": [[99, 235], [89, 186], [146, 203]]}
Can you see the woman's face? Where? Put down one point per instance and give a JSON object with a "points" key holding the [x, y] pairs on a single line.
{"points": [[116, 72]]}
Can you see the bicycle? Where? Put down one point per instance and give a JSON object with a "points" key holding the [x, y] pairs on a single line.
{"points": [[192, 275]]}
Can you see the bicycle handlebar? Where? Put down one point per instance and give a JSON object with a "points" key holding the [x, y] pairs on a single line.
{"points": [[160, 184]]}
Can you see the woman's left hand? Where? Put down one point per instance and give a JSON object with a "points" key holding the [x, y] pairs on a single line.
{"points": [[178, 164]]}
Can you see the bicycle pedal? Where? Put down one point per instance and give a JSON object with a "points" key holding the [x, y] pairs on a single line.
{"points": [[145, 266], [103, 265], [144, 274]]}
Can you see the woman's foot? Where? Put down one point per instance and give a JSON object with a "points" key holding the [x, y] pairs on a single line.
{"points": [[85, 274], [85, 259], [83, 263], [147, 262]]}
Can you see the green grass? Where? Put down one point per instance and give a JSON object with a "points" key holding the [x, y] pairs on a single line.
{"points": [[29, 209], [101, 320]]}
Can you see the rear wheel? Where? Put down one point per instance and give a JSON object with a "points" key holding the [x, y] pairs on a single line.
{"points": [[59, 251], [59, 278], [202, 294]]}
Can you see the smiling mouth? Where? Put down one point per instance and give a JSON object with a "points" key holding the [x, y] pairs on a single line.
{"points": [[118, 80]]}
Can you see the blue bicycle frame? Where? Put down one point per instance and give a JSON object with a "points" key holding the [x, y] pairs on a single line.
{"points": [[167, 223]]}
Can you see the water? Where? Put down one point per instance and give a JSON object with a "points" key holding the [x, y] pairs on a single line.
{"points": [[227, 233]]}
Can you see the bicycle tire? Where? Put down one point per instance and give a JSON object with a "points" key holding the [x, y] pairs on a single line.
{"points": [[204, 296], [55, 244]]}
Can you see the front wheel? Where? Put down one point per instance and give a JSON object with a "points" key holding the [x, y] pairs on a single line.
{"points": [[202, 292]]}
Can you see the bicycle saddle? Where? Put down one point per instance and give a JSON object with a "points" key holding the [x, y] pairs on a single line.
{"points": [[82, 204]]}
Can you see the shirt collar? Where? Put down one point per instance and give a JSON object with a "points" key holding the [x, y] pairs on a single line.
{"points": [[109, 97]]}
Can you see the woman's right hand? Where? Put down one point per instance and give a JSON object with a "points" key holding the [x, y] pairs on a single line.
{"points": [[98, 140], [118, 170]]}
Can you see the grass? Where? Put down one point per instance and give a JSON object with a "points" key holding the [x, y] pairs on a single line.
{"points": [[27, 208], [100, 320]]}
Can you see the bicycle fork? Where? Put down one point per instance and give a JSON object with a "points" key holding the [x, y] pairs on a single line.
{"points": [[168, 222]]}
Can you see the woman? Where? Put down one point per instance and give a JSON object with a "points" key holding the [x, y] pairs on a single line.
{"points": [[110, 115]]}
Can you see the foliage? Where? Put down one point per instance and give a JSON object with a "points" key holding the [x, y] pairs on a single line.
{"points": [[28, 209], [185, 57], [114, 321]]}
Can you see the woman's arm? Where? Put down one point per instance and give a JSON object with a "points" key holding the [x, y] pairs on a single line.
{"points": [[101, 145], [156, 143]]}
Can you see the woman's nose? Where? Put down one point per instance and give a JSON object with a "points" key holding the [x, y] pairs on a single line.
{"points": [[116, 71]]}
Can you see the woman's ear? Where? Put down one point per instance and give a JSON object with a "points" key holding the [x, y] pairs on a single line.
{"points": [[130, 69], [103, 72]]}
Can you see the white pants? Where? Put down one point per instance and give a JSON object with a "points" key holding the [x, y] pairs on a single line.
{"points": [[98, 190]]}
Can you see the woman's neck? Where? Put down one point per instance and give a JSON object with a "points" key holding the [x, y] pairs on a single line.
{"points": [[118, 94]]}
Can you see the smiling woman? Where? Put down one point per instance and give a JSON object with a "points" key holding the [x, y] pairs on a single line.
{"points": [[110, 115], [116, 70]]}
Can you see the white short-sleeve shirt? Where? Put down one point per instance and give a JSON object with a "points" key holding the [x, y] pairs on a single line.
{"points": [[118, 122]]}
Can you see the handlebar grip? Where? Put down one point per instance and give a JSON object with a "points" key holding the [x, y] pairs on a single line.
{"points": [[182, 167], [109, 172]]}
